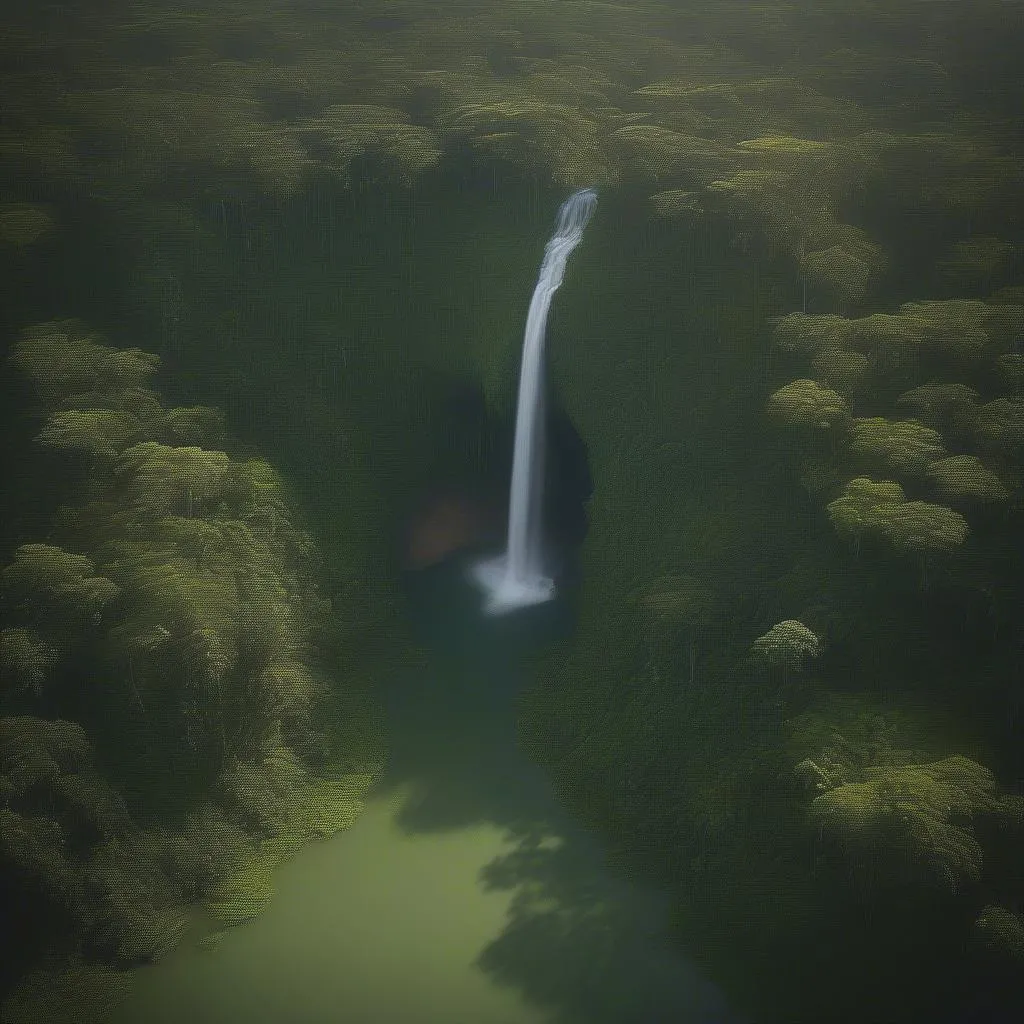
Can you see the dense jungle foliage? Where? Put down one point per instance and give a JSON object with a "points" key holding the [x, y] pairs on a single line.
{"points": [[242, 242]]}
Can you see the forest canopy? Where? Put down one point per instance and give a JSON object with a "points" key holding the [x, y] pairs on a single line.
{"points": [[794, 351]]}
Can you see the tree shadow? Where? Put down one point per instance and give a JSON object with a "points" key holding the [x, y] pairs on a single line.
{"points": [[587, 945]]}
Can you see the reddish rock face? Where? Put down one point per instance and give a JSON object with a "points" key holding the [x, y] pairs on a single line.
{"points": [[445, 523]]}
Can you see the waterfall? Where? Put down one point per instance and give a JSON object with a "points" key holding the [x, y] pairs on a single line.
{"points": [[517, 578]]}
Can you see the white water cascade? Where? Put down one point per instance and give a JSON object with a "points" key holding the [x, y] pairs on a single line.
{"points": [[517, 577]]}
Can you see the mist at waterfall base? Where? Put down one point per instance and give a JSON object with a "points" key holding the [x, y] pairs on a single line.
{"points": [[520, 577], [458, 523]]}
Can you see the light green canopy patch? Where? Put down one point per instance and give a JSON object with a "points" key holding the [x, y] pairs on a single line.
{"points": [[878, 509], [966, 476], [921, 812], [805, 403], [788, 643], [895, 446]]}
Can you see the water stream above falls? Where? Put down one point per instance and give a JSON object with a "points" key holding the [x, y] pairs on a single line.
{"points": [[464, 893]]}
